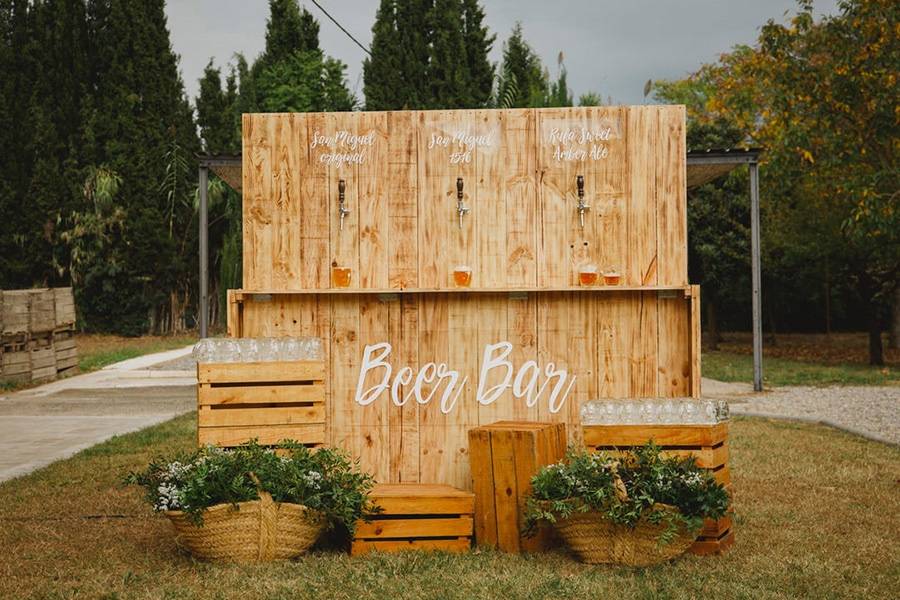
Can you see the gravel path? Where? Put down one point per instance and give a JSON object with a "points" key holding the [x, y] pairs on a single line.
{"points": [[871, 411]]}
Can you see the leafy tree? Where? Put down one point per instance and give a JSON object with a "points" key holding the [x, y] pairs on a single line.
{"points": [[821, 97], [478, 43], [289, 29]]}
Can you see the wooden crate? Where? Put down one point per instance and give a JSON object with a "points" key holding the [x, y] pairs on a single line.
{"points": [[503, 457], [43, 364], [707, 443], [268, 401], [417, 516], [14, 312], [42, 311], [64, 303], [15, 366], [66, 351]]}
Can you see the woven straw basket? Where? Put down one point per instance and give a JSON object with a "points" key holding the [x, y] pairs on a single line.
{"points": [[257, 531], [597, 540]]}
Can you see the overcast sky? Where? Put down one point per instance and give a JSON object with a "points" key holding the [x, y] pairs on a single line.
{"points": [[611, 47]]}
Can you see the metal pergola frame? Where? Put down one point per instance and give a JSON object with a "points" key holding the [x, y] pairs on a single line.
{"points": [[726, 160]]}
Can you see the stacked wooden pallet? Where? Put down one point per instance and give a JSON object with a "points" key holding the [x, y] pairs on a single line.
{"points": [[37, 334], [708, 444]]}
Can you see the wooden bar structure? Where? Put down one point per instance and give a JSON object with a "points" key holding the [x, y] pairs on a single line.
{"points": [[504, 456], [266, 401], [708, 444], [413, 361], [417, 516]]}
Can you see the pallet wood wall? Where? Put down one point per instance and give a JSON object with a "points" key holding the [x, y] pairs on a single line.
{"points": [[519, 170], [522, 239]]}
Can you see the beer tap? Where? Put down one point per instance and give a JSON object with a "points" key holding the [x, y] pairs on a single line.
{"points": [[343, 211], [582, 207], [461, 208]]}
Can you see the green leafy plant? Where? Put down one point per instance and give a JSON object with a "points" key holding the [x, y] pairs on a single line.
{"points": [[639, 484], [325, 480]]}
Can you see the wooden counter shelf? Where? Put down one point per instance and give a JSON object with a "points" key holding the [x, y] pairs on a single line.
{"points": [[240, 295]]}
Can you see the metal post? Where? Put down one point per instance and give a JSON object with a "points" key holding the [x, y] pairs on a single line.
{"points": [[204, 252], [755, 275]]}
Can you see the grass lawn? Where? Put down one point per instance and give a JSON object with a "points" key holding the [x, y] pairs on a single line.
{"points": [[96, 351], [816, 516], [803, 359]]}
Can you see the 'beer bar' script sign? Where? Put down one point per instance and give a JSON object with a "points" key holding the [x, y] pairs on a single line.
{"points": [[440, 378]]}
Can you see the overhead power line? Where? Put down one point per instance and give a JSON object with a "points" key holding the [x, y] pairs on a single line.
{"points": [[341, 27]]}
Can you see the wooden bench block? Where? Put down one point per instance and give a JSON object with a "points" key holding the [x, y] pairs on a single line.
{"points": [[503, 457], [417, 516]]}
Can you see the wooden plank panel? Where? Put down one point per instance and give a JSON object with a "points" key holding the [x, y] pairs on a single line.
{"points": [[266, 435], [317, 203], [644, 347], [345, 363], [408, 354], [402, 186], [414, 528], [345, 251], [259, 394], [696, 343], [371, 434], [643, 137], [372, 196], [503, 460], [671, 197], [246, 417], [481, 463], [521, 326], [257, 205], [670, 435], [252, 372], [520, 191], [490, 210], [285, 202], [674, 361], [707, 457]]}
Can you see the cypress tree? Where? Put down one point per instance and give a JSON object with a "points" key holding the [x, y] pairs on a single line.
{"points": [[383, 80], [289, 29], [215, 112], [448, 71], [522, 82], [478, 42]]}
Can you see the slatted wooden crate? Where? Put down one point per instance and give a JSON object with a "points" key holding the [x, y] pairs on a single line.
{"points": [[417, 516], [504, 456], [43, 364], [64, 304], [14, 312], [707, 443], [42, 312], [268, 401], [66, 351], [15, 365]]}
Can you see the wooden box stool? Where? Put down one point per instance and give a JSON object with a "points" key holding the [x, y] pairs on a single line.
{"points": [[707, 443], [268, 401], [503, 457], [417, 516]]}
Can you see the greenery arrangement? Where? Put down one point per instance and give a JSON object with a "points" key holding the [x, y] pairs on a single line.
{"points": [[325, 480], [638, 485]]}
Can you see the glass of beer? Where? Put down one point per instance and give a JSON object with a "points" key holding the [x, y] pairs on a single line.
{"points": [[611, 276], [340, 276], [587, 274], [462, 275]]}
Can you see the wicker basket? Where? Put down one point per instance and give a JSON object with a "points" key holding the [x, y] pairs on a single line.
{"points": [[257, 531], [595, 539]]}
